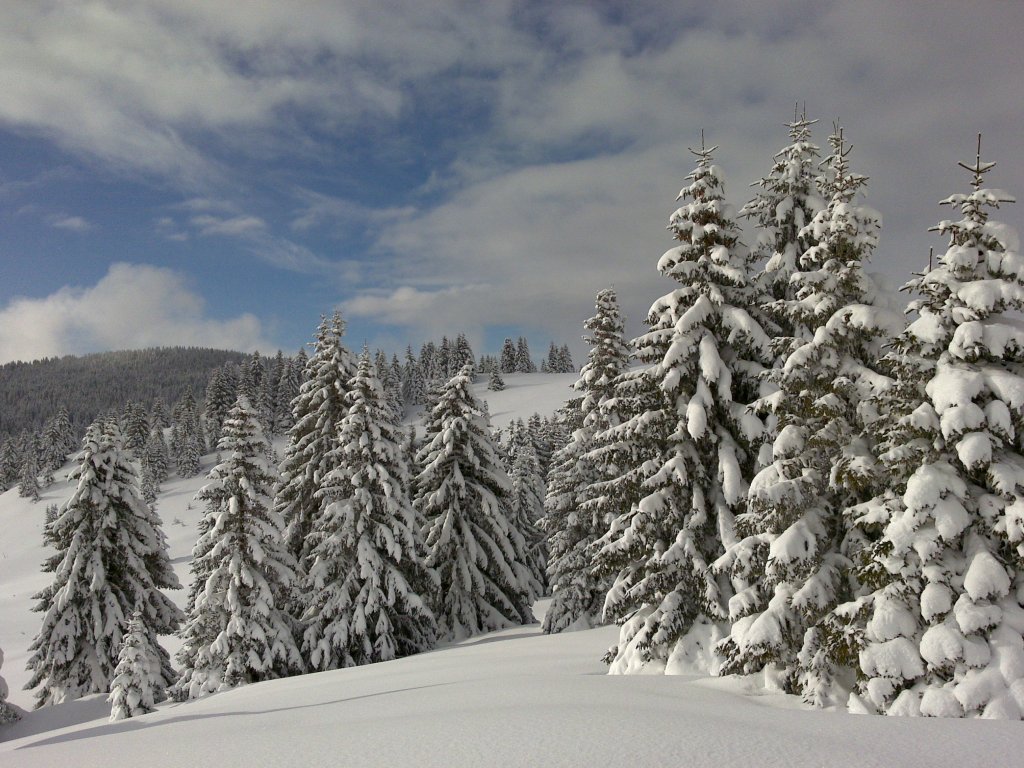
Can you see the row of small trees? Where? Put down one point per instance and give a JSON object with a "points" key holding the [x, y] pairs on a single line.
{"points": [[793, 480]]}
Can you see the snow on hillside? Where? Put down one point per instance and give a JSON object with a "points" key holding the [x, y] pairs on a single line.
{"points": [[515, 698]]}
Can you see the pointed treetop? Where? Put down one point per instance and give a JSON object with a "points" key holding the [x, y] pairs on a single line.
{"points": [[800, 128], [704, 153], [979, 169]]}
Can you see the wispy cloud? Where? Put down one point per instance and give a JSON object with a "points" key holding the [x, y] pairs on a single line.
{"points": [[71, 223], [228, 227]]}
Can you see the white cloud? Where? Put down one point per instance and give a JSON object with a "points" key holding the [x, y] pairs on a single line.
{"points": [[228, 227], [72, 223], [131, 307]]}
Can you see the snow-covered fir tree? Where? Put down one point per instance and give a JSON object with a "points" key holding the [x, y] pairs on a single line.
{"points": [[494, 382], [7, 712], [28, 472], [703, 353], [528, 504], [186, 441], [508, 356], [942, 632], [578, 591], [10, 464], [791, 560], [312, 440], [464, 495], [111, 559], [788, 200], [524, 363], [134, 426], [237, 630], [221, 393], [58, 440], [368, 591], [138, 682]]}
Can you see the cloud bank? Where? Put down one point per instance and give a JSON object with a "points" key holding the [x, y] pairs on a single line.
{"points": [[132, 307]]}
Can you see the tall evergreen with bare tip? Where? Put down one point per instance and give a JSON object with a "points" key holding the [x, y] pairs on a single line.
{"points": [[111, 560], [464, 495], [704, 354], [238, 630], [942, 632], [793, 558], [369, 590], [313, 438], [573, 526]]}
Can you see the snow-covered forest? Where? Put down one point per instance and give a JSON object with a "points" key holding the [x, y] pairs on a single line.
{"points": [[792, 482]]}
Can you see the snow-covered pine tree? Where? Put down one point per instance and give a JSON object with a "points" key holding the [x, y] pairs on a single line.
{"points": [[528, 504], [465, 497], [158, 418], [134, 426], [462, 354], [791, 562], [288, 387], [10, 464], [58, 440], [704, 353], [312, 440], [494, 382], [524, 363], [508, 356], [111, 559], [942, 634], [578, 592], [7, 712], [238, 630], [221, 393], [138, 682], [28, 471], [368, 590], [789, 199]]}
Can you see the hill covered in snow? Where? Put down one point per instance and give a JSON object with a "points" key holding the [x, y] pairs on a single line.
{"points": [[515, 698]]}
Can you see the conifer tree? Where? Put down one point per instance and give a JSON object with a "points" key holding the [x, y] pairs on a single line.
{"points": [[578, 591], [158, 418], [528, 504], [138, 682], [134, 426], [58, 440], [494, 382], [28, 472], [238, 630], [703, 354], [524, 363], [941, 632], [7, 712], [312, 440], [221, 393], [111, 559], [788, 201], [508, 356], [791, 558], [369, 591], [10, 464], [463, 493]]}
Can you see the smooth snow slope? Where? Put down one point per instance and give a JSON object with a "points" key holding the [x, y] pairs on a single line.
{"points": [[515, 698]]}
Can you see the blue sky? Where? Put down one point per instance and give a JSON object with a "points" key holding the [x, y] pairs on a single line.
{"points": [[221, 173]]}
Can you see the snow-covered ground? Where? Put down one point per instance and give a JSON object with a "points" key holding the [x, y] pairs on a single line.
{"points": [[516, 698]]}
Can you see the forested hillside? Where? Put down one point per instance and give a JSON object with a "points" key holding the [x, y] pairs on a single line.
{"points": [[31, 393]]}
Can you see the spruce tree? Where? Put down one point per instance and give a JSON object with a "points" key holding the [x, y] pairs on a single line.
{"points": [[524, 363], [788, 201], [941, 632], [528, 504], [111, 559], [368, 589], [508, 357], [703, 354], [10, 464], [312, 440], [138, 682], [464, 495], [494, 382], [28, 472], [578, 591], [221, 393], [791, 558], [7, 712], [238, 630]]}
